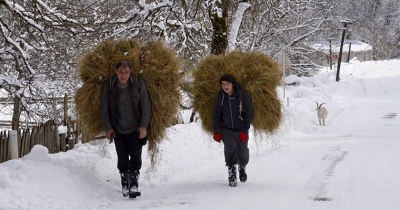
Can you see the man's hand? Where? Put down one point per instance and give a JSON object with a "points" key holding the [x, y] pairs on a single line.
{"points": [[110, 134], [142, 132]]}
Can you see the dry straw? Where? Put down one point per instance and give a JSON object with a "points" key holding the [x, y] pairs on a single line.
{"points": [[255, 72], [156, 64]]}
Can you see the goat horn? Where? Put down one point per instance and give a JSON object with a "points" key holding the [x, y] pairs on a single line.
{"points": [[321, 105], [317, 104]]}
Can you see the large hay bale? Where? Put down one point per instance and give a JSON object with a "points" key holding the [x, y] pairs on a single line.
{"points": [[99, 64], [157, 65], [87, 100], [255, 72]]}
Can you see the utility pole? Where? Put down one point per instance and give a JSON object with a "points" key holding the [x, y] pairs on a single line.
{"points": [[348, 55], [330, 52], [344, 22]]}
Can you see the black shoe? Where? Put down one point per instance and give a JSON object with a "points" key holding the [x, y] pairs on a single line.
{"points": [[232, 176], [242, 174], [125, 184], [134, 184]]}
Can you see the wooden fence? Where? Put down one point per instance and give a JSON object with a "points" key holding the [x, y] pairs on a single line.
{"points": [[45, 134]]}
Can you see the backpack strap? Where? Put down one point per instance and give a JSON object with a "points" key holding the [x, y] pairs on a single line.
{"points": [[241, 104], [135, 80], [222, 99]]}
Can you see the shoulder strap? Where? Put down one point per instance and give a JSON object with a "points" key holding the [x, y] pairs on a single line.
{"points": [[113, 79], [221, 96], [135, 79], [241, 104]]}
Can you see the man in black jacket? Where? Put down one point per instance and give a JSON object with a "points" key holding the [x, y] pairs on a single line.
{"points": [[125, 113], [231, 119]]}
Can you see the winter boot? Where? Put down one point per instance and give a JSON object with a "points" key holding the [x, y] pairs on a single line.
{"points": [[232, 176], [134, 184], [242, 174], [125, 184]]}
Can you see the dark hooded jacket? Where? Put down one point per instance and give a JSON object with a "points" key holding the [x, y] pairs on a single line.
{"points": [[227, 112]]}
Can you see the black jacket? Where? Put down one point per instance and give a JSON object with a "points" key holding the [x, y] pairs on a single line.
{"points": [[227, 113]]}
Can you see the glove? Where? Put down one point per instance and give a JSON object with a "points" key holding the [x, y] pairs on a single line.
{"points": [[217, 137], [242, 137]]}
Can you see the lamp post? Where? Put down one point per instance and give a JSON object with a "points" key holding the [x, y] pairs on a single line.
{"points": [[344, 22]]}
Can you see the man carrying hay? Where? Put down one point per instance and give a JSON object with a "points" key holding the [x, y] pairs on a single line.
{"points": [[231, 120], [125, 113]]}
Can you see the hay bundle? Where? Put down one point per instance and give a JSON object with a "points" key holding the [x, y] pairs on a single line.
{"points": [[158, 67], [254, 71]]}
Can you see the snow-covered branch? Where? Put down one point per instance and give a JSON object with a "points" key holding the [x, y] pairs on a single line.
{"points": [[143, 11], [243, 6]]}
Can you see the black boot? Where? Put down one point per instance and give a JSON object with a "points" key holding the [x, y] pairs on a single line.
{"points": [[134, 184], [232, 176], [125, 184], [242, 174]]}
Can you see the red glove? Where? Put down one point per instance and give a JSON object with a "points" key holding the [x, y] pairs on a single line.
{"points": [[217, 137], [242, 137]]}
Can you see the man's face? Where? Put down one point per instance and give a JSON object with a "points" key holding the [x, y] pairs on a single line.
{"points": [[227, 87], [123, 75]]}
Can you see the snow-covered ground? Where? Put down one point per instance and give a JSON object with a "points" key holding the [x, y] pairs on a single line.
{"points": [[351, 163]]}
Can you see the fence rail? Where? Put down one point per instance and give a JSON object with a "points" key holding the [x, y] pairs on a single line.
{"points": [[45, 134], [8, 123]]}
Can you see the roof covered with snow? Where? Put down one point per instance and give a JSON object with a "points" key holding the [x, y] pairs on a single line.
{"points": [[356, 46]]}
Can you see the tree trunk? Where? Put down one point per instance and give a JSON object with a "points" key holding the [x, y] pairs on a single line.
{"points": [[16, 113], [220, 27], [237, 20], [17, 101]]}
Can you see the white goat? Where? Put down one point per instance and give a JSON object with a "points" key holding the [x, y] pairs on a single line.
{"points": [[322, 112]]}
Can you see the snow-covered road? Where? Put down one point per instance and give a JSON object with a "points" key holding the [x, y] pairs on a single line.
{"points": [[341, 166], [352, 163]]}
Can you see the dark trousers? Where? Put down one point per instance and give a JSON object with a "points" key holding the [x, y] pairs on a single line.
{"points": [[236, 152], [129, 152]]}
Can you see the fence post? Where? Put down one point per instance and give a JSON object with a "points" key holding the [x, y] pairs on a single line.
{"points": [[3, 146], [57, 139], [13, 144], [65, 108], [71, 141], [63, 143]]}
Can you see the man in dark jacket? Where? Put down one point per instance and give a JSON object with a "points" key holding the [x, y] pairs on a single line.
{"points": [[231, 119], [125, 113]]}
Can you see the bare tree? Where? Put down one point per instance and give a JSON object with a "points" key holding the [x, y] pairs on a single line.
{"points": [[375, 22], [28, 43]]}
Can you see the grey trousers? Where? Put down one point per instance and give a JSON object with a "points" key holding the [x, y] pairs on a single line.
{"points": [[235, 151]]}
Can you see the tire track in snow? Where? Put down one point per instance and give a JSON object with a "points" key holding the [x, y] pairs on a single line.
{"points": [[318, 184]]}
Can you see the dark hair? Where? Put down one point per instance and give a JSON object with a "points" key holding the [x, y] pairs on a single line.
{"points": [[123, 64], [228, 78]]}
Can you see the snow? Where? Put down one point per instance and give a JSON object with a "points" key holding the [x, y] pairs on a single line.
{"points": [[62, 129], [356, 46], [144, 10], [351, 163], [23, 13]]}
